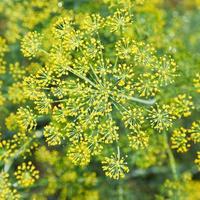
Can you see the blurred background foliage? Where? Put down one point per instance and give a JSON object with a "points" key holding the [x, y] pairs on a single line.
{"points": [[172, 26]]}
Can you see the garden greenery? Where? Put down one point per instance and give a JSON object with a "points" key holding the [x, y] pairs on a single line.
{"points": [[96, 94]]}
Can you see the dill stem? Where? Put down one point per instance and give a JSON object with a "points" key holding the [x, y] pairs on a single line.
{"points": [[82, 77], [120, 191], [172, 161], [143, 101], [9, 163]]}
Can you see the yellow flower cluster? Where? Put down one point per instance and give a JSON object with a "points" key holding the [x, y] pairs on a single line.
{"points": [[88, 83], [182, 138], [119, 20], [79, 154], [53, 135], [6, 189], [26, 119], [26, 174], [160, 117], [195, 132], [31, 44], [138, 140], [86, 80], [115, 166], [179, 140], [92, 23]]}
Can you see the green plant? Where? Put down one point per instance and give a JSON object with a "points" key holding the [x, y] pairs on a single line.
{"points": [[95, 92]]}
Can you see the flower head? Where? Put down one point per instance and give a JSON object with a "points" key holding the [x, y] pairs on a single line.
{"points": [[160, 117], [79, 153], [119, 21], [115, 166], [26, 174], [179, 140], [26, 119], [31, 44]]}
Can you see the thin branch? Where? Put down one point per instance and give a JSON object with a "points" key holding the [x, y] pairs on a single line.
{"points": [[143, 101]]}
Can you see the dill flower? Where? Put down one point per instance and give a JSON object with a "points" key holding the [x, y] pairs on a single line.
{"points": [[166, 70], [31, 44], [92, 48], [62, 26], [133, 118], [147, 85], [146, 55], [26, 174], [88, 77], [31, 88], [160, 117], [126, 48], [92, 23], [6, 189], [154, 154], [95, 144], [176, 189], [2, 66], [119, 21], [179, 140], [195, 132], [138, 140], [115, 166], [17, 72], [43, 103], [7, 150], [124, 74], [26, 119], [108, 131], [53, 135], [79, 153], [182, 106], [19, 145], [10, 122], [47, 156], [73, 40], [16, 93]]}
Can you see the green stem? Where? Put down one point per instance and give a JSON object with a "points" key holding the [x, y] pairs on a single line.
{"points": [[120, 191], [9, 163], [97, 78], [172, 161], [118, 152], [143, 101], [82, 77], [116, 61]]}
